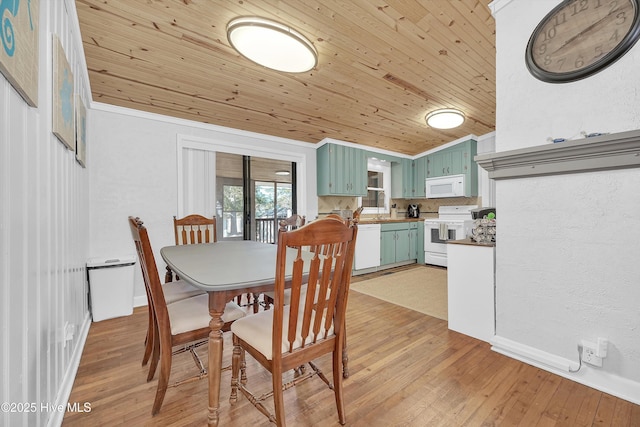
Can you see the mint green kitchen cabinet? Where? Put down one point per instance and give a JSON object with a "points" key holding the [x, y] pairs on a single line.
{"points": [[456, 160], [413, 242], [398, 242], [408, 178], [420, 243], [445, 162], [341, 171], [420, 174], [402, 179], [387, 247]]}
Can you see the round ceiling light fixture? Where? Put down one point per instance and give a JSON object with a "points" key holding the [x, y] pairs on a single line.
{"points": [[447, 118], [272, 44]]}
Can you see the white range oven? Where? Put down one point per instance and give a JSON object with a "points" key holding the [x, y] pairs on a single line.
{"points": [[453, 223]]}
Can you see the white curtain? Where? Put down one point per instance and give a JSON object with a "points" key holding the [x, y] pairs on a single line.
{"points": [[198, 184]]}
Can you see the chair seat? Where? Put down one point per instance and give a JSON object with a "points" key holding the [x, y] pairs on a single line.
{"points": [[179, 290], [193, 313], [256, 331]]}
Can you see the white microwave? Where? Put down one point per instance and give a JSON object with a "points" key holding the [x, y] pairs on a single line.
{"points": [[445, 186]]}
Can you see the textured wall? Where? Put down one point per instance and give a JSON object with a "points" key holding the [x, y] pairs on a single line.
{"points": [[567, 253]]}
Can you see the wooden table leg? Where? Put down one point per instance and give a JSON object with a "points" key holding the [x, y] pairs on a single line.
{"points": [[217, 302]]}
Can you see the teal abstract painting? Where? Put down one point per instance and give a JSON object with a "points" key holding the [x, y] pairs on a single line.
{"points": [[19, 46], [63, 97]]}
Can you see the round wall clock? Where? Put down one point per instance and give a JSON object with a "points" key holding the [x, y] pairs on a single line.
{"points": [[578, 38]]}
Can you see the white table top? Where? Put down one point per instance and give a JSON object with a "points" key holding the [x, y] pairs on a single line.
{"points": [[226, 265]]}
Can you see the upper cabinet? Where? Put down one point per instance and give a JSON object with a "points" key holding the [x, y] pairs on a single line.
{"points": [[402, 179], [420, 174], [408, 178], [342, 171], [456, 160]]}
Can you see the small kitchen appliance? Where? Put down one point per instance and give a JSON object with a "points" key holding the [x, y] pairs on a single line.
{"points": [[413, 211], [445, 186]]}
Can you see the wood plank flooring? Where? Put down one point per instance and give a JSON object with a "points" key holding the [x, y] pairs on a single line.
{"points": [[407, 369]]}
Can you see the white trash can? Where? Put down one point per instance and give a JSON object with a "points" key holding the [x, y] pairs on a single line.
{"points": [[111, 286]]}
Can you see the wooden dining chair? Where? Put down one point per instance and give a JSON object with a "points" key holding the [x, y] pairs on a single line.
{"points": [[181, 323], [312, 324], [192, 229], [293, 222], [173, 291]]}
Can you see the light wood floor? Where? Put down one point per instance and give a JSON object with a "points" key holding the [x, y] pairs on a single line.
{"points": [[407, 369]]}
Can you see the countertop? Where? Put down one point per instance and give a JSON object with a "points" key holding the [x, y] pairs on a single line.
{"points": [[470, 242], [389, 220]]}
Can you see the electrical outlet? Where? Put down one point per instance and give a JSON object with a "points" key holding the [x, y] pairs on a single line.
{"points": [[602, 347], [589, 353]]}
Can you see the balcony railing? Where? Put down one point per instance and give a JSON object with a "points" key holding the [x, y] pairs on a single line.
{"points": [[266, 230]]}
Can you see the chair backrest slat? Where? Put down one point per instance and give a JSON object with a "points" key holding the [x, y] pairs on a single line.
{"points": [[320, 314], [194, 229]]}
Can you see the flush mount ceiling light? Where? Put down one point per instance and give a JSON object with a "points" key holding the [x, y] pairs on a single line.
{"points": [[447, 118], [272, 44], [283, 173]]}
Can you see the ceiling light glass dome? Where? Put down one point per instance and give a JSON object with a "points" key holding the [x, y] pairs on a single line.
{"points": [[272, 45], [447, 118]]}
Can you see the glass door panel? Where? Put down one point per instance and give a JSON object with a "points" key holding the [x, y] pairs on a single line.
{"points": [[253, 195]]}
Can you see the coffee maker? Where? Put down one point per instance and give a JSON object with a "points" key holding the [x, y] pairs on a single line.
{"points": [[413, 211]]}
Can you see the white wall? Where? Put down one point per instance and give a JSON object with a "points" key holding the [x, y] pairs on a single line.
{"points": [[43, 239], [134, 172], [567, 254]]}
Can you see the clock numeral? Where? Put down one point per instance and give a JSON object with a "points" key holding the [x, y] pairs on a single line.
{"points": [[549, 34], [542, 49], [615, 36], [560, 19], [580, 6], [613, 6], [598, 51], [621, 17], [579, 62]]}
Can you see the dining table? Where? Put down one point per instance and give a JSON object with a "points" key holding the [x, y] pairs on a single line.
{"points": [[224, 270]]}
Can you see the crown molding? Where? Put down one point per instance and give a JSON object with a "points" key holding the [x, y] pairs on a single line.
{"points": [[496, 5]]}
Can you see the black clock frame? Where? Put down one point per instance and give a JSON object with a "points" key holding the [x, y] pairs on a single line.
{"points": [[623, 47]]}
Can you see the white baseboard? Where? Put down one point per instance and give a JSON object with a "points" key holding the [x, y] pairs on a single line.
{"points": [[590, 376], [140, 301], [55, 420]]}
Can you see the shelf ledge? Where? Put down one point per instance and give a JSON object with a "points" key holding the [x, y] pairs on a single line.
{"points": [[605, 152]]}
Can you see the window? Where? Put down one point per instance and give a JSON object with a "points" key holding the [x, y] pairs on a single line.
{"points": [[232, 212], [378, 188]]}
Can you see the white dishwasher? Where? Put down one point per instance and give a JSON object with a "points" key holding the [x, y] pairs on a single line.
{"points": [[367, 246]]}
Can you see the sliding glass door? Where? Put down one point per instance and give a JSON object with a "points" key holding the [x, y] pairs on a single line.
{"points": [[253, 194]]}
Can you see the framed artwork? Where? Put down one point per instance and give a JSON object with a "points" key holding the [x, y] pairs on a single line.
{"points": [[63, 97], [19, 48], [81, 132]]}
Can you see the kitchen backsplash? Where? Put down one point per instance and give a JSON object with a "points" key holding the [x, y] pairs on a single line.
{"points": [[428, 207]]}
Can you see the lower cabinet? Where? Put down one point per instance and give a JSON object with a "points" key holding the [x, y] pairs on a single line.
{"points": [[398, 242], [471, 289]]}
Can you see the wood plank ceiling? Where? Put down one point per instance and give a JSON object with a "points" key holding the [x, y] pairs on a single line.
{"points": [[382, 66]]}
